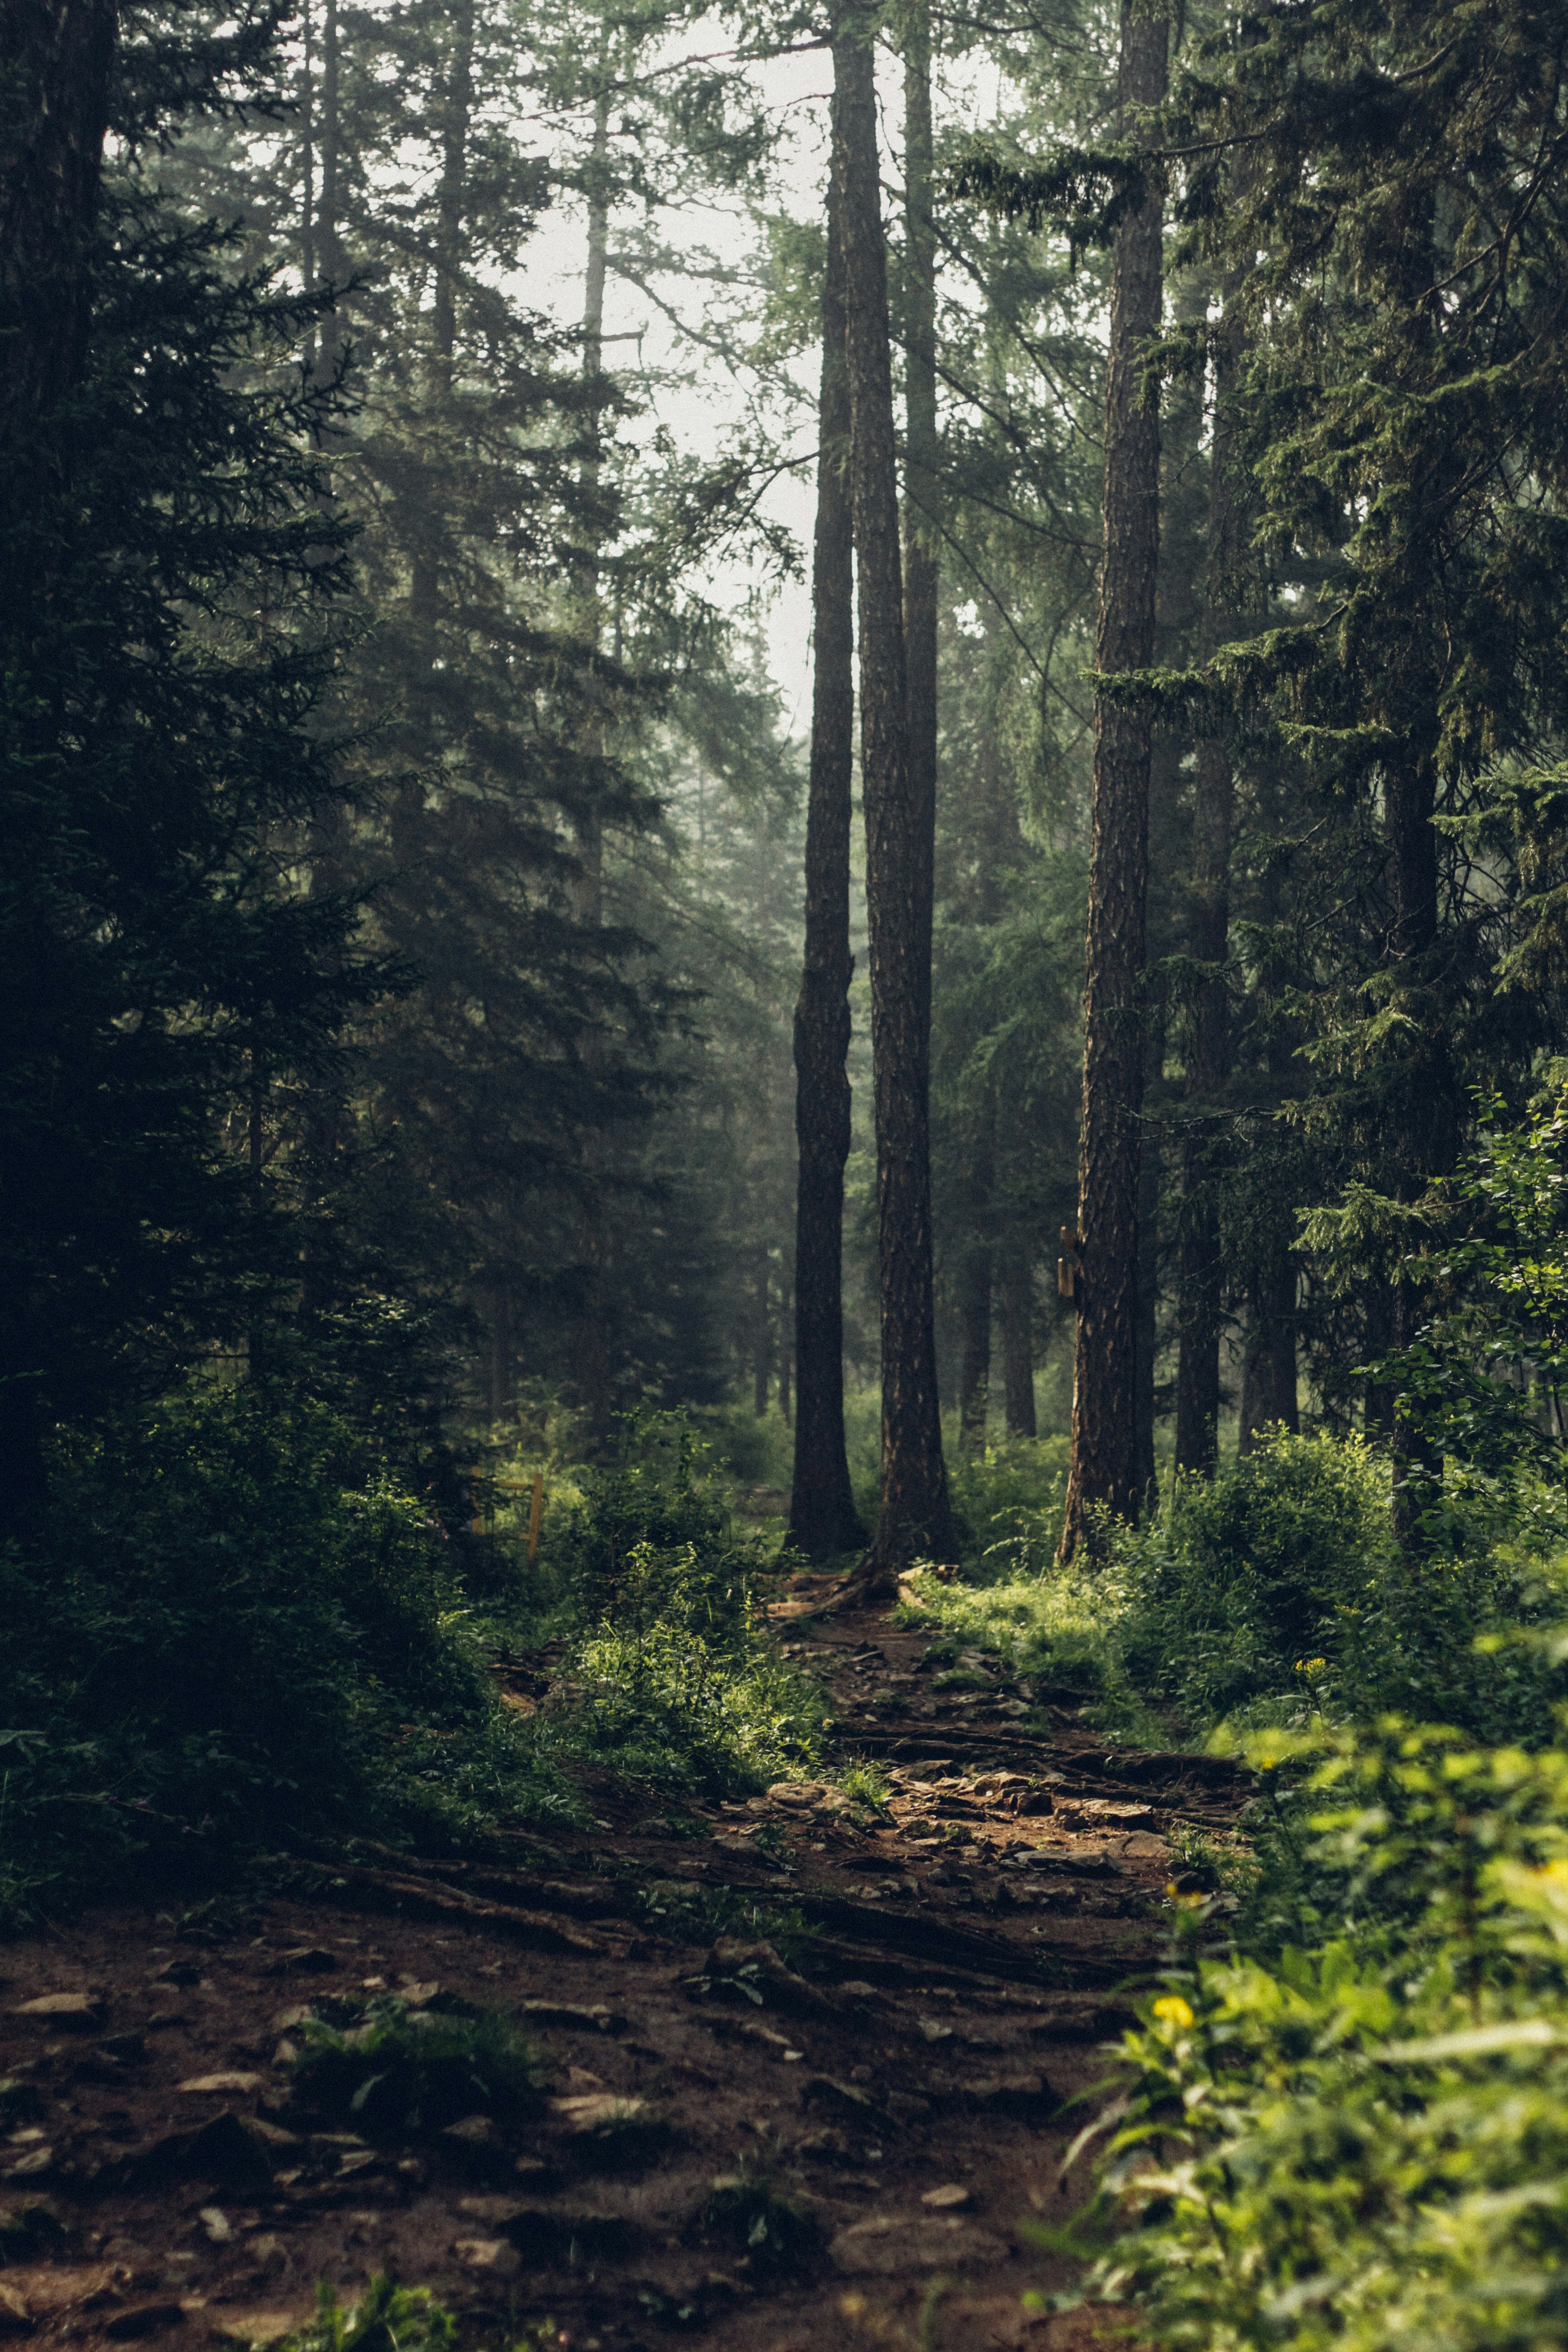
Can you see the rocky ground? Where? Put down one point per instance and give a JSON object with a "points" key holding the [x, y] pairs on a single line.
{"points": [[846, 2144]]}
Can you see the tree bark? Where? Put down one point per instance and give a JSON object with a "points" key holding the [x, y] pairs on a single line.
{"points": [[921, 577], [1202, 1271], [592, 1357], [914, 1518], [823, 1518], [1018, 1319], [57, 57], [975, 1283], [1104, 1469], [1148, 1320], [761, 1336], [1268, 1377]]}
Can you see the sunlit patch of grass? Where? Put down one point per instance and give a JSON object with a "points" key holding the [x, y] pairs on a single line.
{"points": [[1056, 1623]]}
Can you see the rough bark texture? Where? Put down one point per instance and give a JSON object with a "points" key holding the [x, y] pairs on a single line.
{"points": [[914, 1518], [975, 1283], [1208, 1065], [56, 61], [1017, 1318], [1148, 1320], [823, 1518], [1268, 1377], [593, 1368], [1104, 1469], [762, 1335], [920, 582]]}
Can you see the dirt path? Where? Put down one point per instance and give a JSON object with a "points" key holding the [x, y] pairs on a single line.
{"points": [[901, 2100]]}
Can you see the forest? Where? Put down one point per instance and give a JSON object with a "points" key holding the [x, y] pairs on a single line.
{"points": [[783, 1143]]}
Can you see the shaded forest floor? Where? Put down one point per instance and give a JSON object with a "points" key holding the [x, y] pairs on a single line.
{"points": [[804, 2079]]}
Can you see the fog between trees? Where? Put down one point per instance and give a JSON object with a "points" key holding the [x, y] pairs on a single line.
{"points": [[414, 868]]}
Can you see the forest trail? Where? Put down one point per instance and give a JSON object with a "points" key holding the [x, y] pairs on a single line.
{"points": [[902, 2095]]}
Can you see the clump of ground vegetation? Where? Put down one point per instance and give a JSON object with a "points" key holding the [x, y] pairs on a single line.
{"points": [[1340, 2119], [236, 1628]]}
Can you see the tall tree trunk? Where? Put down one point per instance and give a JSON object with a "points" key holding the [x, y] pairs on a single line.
{"points": [[1202, 1271], [762, 1335], [1377, 1396], [975, 1358], [57, 59], [976, 1269], [822, 1517], [914, 1517], [920, 489], [1148, 1319], [592, 1364], [457, 106], [1104, 1469], [1268, 1378], [1017, 1318]]}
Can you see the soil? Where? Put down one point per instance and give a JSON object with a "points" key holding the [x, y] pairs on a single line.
{"points": [[902, 2088]]}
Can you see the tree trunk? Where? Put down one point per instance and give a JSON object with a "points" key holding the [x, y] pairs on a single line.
{"points": [[1148, 1324], [1104, 1469], [914, 1518], [823, 1518], [786, 1357], [975, 1276], [1208, 1066], [1377, 1396], [761, 1337], [56, 58], [1018, 1319], [975, 1358], [920, 581], [1268, 1378], [591, 1359]]}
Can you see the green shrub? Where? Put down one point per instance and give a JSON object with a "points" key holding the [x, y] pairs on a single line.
{"points": [[1234, 1580], [664, 1704], [650, 1537], [1008, 1501], [1049, 1622], [675, 1679], [405, 2072], [1366, 2144], [217, 1632], [390, 2318]]}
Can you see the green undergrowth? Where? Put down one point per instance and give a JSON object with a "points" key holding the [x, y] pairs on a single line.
{"points": [[388, 2318], [1275, 1594], [234, 1628], [401, 2071], [671, 1676], [1350, 2127]]}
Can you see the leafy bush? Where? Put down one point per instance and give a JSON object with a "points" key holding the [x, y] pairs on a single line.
{"points": [[1366, 2144], [1008, 1501], [409, 2071], [667, 1705], [1278, 1592], [219, 1629], [391, 2318], [1051, 1621], [651, 1535], [675, 1679], [1233, 1581]]}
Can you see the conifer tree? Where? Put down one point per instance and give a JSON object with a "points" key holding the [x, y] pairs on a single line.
{"points": [[914, 1515], [1104, 1471]]}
